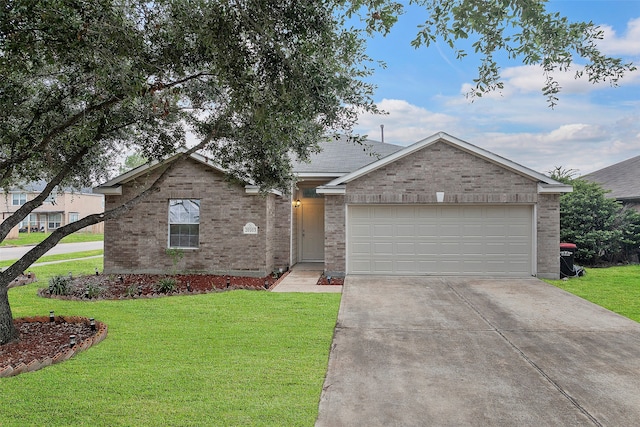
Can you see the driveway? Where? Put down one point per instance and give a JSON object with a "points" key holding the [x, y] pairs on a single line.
{"points": [[434, 351]]}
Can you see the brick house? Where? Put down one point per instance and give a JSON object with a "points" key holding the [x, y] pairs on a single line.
{"points": [[440, 206]]}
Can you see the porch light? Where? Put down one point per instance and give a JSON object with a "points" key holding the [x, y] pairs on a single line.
{"points": [[440, 196], [297, 203], [52, 316]]}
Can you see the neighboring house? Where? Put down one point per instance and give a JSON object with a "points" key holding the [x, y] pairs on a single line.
{"points": [[60, 208], [440, 206], [622, 180]]}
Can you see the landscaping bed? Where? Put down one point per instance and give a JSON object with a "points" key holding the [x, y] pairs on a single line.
{"points": [[44, 342], [129, 286]]}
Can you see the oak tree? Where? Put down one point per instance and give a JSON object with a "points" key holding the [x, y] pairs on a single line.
{"points": [[255, 82]]}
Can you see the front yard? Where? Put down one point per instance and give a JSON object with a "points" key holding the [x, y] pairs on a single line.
{"points": [[231, 358], [614, 288]]}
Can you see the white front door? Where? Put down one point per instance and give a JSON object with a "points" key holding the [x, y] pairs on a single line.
{"points": [[312, 229]]}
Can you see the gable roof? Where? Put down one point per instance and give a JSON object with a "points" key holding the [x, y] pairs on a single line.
{"points": [[336, 158], [622, 179], [545, 184], [341, 156]]}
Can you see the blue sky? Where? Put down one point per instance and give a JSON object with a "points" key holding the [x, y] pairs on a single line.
{"points": [[592, 126]]}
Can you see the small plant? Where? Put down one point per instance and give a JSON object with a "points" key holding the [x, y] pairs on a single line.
{"points": [[131, 291], [176, 256], [166, 285], [59, 285], [92, 291]]}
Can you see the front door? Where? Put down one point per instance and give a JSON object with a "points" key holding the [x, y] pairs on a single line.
{"points": [[312, 229]]}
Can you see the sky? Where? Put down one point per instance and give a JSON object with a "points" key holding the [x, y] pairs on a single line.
{"points": [[592, 126]]}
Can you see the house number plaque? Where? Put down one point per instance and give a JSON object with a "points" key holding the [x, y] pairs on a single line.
{"points": [[250, 228]]}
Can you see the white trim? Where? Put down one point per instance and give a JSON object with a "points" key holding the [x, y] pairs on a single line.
{"points": [[307, 176], [255, 190], [325, 189], [544, 188], [109, 191]]}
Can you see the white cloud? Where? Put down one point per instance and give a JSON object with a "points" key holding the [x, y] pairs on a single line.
{"points": [[628, 44], [405, 124], [579, 136]]}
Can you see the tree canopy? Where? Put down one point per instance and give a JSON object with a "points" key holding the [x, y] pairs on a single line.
{"points": [[253, 81]]}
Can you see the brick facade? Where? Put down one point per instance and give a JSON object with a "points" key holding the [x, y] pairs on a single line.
{"points": [[463, 177], [548, 238], [137, 241]]}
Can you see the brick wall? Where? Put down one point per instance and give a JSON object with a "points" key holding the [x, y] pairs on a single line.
{"points": [[334, 235], [548, 217], [137, 241], [282, 229], [463, 177]]}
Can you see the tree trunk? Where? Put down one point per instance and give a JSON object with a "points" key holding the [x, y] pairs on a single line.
{"points": [[8, 331]]}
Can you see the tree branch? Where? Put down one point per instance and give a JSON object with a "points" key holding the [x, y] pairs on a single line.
{"points": [[28, 207]]}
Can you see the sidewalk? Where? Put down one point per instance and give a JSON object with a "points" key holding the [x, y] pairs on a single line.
{"points": [[303, 278]]}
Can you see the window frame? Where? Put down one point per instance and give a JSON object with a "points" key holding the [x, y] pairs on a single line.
{"points": [[186, 222], [72, 215], [21, 199], [49, 221]]}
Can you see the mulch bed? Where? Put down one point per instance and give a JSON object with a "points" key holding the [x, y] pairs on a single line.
{"points": [[43, 343], [130, 286]]}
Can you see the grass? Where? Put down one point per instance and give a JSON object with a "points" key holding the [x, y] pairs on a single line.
{"points": [[233, 358], [35, 238], [61, 257], [614, 288]]}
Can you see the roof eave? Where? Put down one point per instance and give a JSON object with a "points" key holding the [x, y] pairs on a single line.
{"points": [[332, 189], [544, 188]]}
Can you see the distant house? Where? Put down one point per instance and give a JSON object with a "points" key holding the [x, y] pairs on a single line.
{"points": [[441, 206], [622, 180], [60, 208]]}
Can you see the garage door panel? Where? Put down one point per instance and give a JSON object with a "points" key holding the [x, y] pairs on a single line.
{"points": [[427, 239]]}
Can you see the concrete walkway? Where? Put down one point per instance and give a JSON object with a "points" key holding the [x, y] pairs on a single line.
{"points": [[430, 351], [303, 278]]}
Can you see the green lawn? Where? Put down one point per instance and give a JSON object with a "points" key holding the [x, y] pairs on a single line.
{"points": [[615, 288], [35, 238], [62, 257], [226, 359]]}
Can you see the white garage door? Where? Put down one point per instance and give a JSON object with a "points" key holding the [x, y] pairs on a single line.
{"points": [[448, 240]]}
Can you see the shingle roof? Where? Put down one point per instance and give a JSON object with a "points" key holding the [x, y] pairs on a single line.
{"points": [[622, 179], [342, 156]]}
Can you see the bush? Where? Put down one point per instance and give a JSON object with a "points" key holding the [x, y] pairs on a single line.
{"points": [[166, 285], [60, 285], [601, 228], [93, 291]]}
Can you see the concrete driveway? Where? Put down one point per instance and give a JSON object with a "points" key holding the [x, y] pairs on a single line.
{"points": [[434, 351]]}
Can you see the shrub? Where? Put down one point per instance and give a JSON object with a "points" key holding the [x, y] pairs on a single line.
{"points": [[166, 285], [131, 291], [598, 225], [60, 285], [93, 291]]}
